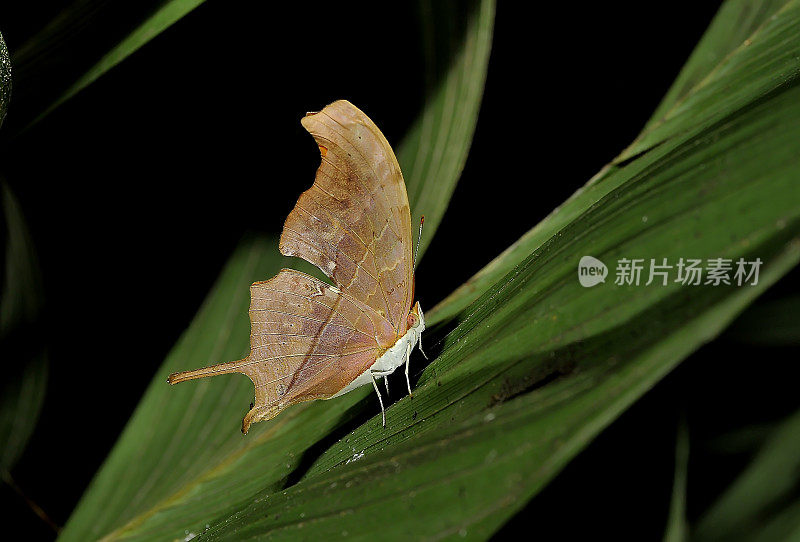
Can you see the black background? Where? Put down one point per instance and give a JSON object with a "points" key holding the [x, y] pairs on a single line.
{"points": [[137, 191]]}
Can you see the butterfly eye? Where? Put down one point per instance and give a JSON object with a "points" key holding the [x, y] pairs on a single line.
{"points": [[412, 320]]}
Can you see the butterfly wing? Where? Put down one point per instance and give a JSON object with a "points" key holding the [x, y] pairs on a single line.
{"points": [[307, 341], [354, 223]]}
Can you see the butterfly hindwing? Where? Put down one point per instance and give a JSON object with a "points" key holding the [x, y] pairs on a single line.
{"points": [[307, 341]]}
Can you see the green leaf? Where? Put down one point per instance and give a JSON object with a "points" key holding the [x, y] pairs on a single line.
{"points": [[433, 153], [762, 502], [677, 526], [165, 15], [727, 88], [24, 361], [735, 23], [743, 79], [481, 444], [182, 461], [782, 526]]}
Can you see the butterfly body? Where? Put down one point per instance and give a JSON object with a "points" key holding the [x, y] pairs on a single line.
{"points": [[395, 357], [313, 340]]}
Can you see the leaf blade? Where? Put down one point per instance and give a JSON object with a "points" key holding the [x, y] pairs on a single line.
{"points": [[166, 14], [682, 129], [734, 24], [450, 113], [23, 389], [758, 503], [486, 465], [677, 526]]}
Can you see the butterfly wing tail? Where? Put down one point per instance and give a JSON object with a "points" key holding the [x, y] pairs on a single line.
{"points": [[213, 370], [259, 414]]}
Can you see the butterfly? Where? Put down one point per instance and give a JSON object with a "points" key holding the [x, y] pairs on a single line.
{"points": [[312, 340]]}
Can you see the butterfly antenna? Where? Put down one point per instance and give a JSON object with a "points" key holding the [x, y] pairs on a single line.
{"points": [[419, 238]]}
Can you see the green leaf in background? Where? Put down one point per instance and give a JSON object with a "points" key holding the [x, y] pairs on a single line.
{"points": [[677, 527], [24, 382], [165, 14], [24, 360], [25, 364], [743, 76], [433, 153], [736, 22], [749, 74], [762, 503], [182, 461]]}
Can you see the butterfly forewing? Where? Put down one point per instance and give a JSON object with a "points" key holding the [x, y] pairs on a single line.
{"points": [[354, 223]]}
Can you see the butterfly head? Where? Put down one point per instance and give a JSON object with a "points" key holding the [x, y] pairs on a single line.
{"points": [[416, 320]]}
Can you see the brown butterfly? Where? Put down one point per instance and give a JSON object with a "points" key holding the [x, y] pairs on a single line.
{"points": [[308, 339]]}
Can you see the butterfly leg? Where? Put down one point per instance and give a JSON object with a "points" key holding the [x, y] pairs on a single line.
{"points": [[380, 399], [386, 381], [420, 346], [408, 379]]}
